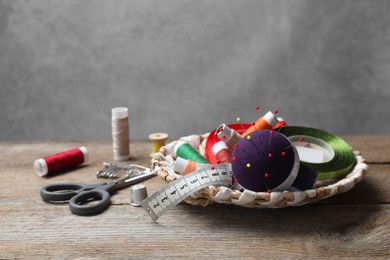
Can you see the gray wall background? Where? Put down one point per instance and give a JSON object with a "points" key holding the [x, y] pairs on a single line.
{"points": [[184, 67]]}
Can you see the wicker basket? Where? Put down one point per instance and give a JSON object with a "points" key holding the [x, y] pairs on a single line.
{"points": [[163, 161]]}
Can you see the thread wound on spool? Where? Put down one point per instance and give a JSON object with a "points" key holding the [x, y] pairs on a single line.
{"points": [[61, 161], [265, 122], [158, 140], [184, 166], [222, 153], [120, 133], [186, 151], [213, 138]]}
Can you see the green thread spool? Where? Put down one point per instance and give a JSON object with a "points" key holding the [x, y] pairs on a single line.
{"points": [[186, 151], [341, 161]]}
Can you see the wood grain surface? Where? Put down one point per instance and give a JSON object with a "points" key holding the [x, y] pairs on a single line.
{"points": [[354, 225]]}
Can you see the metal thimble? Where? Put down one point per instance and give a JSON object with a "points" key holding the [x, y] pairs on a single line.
{"points": [[138, 194]]}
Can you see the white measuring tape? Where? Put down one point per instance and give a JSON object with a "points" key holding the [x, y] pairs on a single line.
{"points": [[178, 190]]}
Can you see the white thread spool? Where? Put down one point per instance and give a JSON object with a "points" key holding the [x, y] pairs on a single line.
{"points": [[120, 133]]}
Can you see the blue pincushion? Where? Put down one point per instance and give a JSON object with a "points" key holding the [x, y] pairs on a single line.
{"points": [[265, 160]]}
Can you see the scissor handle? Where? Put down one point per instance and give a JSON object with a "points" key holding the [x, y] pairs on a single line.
{"points": [[98, 200], [61, 191]]}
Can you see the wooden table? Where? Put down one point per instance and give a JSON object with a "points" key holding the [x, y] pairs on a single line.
{"points": [[355, 224]]}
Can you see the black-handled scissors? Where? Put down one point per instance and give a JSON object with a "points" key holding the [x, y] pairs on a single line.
{"points": [[80, 195]]}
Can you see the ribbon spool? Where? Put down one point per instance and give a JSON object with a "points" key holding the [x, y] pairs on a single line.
{"points": [[338, 158], [61, 161], [158, 140]]}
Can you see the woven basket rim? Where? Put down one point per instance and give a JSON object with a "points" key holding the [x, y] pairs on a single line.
{"points": [[162, 163]]}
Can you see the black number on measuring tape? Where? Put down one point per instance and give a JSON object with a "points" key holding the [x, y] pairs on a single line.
{"points": [[173, 192], [215, 174], [205, 177], [164, 199], [156, 205], [224, 173], [194, 181], [182, 187]]}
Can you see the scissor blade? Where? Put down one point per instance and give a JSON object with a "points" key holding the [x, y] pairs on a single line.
{"points": [[135, 179]]}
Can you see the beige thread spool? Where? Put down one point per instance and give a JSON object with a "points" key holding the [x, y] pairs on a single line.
{"points": [[158, 140], [120, 133]]}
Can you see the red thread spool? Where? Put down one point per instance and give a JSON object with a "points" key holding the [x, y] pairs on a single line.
{"points": [[61, 161], [232, 137], [222, 152]]}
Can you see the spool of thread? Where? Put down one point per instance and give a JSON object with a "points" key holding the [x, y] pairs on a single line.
{"points": [[61, 161], [184, 166], [280, 123], [265, 122], [229, 136], [120, 133], [222, 152], [186, 151], [213, 138], [158, 140]]}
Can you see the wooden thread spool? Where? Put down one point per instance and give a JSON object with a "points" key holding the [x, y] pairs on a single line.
{"points": [[229, 136], [158, 140], [222, 152], [265, 122]]}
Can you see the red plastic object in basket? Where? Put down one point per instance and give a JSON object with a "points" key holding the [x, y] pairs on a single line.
{"points": [[213, 138]]}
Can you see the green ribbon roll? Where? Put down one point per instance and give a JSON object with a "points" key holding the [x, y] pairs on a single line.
{"points": [[339, 165]]}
